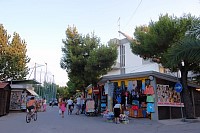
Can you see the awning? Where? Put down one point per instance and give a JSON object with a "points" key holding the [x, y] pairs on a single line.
{"points": [[32, 92]]}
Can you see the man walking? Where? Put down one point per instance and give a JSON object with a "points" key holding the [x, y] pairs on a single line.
{"points": [[78, 105]]}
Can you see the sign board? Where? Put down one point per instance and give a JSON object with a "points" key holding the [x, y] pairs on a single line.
{"points": [[178, 87], [170, 104], [96, 90]]}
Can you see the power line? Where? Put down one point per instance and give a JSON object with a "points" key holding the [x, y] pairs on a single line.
{"points": [[133, 13]]}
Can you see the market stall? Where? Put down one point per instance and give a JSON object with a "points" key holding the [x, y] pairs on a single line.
{"points": [[147, 94], [20, 90]]}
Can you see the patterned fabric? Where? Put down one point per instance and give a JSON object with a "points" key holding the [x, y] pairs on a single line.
{"points": [[143, 85], [134, 84], [130, 86], [135, 102], [150, 99], [149, 90], [144, 113], [150, 108], [134, 107], [119, 99], [106, 88]]}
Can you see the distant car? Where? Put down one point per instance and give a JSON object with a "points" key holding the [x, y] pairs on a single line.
{"points": [[50, 103], [55, 103]]}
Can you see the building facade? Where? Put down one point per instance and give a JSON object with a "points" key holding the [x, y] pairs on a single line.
{"points": [[128, 62]]}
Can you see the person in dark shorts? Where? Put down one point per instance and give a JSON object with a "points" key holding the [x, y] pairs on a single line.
{"points": [[70, 106], [117, 110]]}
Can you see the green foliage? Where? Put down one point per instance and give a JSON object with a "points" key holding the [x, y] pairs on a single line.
{"points": [[13, 59], [195, 31], [62, 92], [154, 40], [165, 42], [85, 59], [186, 50], [71, 88]]}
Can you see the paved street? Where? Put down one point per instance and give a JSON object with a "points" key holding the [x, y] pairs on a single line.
{"points": [[51, 122]]}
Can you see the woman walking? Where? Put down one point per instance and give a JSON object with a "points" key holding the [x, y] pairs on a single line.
{"points": [[44, 104]]}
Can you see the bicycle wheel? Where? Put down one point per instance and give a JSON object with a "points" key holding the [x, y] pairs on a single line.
{"points": [[35, 116], [28, 117]]}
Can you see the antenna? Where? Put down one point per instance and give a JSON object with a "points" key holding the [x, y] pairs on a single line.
{"points": [[118, 21]]}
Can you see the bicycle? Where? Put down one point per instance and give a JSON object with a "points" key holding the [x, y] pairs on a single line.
{"points": [[31, 114]]}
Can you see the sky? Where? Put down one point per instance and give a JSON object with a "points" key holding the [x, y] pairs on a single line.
{"points": [[42, 24]]}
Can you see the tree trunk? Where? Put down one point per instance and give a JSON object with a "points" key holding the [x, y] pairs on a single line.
{"points": [[186, 96]]}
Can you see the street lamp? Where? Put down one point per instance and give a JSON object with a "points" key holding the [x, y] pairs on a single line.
{"points": [[54, 89], [45, 76], [35, 69]]}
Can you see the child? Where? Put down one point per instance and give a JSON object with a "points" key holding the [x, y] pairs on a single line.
{"points": [[117, 110], [63, 107]]}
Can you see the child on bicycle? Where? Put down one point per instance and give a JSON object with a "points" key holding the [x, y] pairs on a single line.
{"points": [[31, 104]]}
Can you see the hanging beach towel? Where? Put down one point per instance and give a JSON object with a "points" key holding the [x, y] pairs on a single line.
{"points": [[150, 108], [149, 90], [134, 107], [150, 99]]}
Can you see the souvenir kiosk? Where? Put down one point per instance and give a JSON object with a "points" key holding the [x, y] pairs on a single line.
{"points": [[148, 94], [20, 90]]}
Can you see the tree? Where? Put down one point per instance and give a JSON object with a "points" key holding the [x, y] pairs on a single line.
{"points": [[13, 57], [195, 31], [71, 89], [85, 59], [161, 41], [63, 92]]}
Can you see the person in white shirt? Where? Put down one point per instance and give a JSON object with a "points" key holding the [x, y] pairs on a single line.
{"points": [[117, 110], [78, 105], [70, 105], [82, 105]]}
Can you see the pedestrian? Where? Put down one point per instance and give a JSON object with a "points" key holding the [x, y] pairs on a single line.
{"points": [[63, 107], [70, 105], [44, 104], [82, 105], [52, 104], [78, 105], [117, 110]]}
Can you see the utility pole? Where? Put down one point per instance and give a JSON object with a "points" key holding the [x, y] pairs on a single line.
{"points": [[45, 83], [53, 88], [35, 72]]}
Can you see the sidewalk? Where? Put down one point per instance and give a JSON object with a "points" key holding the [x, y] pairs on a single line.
{"points": [[178, 121]]}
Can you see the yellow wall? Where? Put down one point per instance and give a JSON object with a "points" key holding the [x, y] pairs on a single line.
{"points": [[129, 79]]}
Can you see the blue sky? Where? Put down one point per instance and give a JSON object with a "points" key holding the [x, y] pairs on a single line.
{"points": [[42, 23]]}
